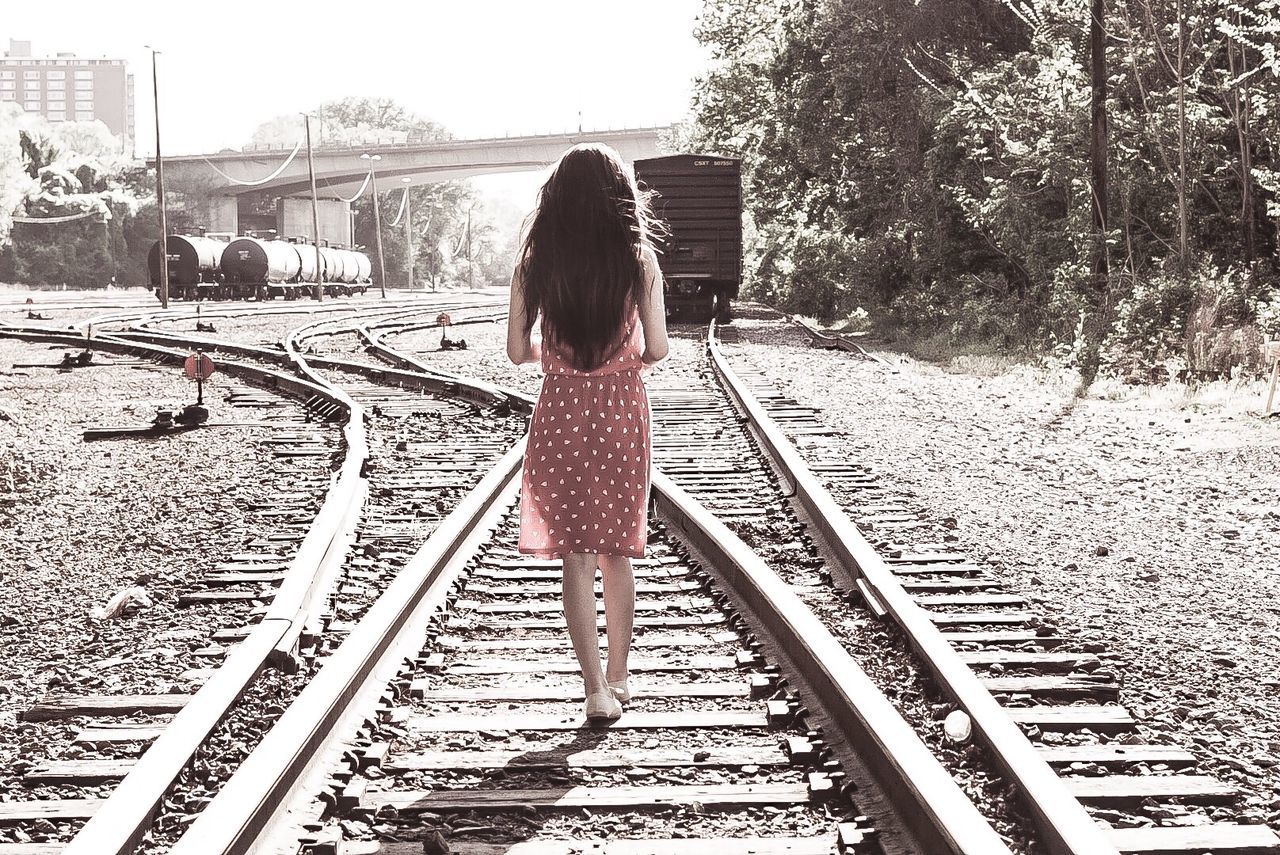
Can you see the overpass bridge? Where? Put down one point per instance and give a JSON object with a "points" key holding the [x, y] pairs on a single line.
{"points": [[230, 179]]}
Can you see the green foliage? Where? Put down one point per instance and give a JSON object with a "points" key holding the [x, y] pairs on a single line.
{"points": [[352, 121], [928, 162], [1151, 321], [75, 208], [13, 176], [77, 254]]}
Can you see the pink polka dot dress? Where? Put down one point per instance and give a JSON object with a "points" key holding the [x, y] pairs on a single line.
{"points": [[585, 486]]}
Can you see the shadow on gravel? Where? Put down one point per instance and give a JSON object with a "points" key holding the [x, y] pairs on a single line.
{"points": [[544, 771]]}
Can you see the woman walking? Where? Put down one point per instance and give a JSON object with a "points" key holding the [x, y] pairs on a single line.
{"points": [[588, 271]]}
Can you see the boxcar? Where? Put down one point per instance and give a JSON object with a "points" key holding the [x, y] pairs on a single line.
{"points": [[699, 196]]}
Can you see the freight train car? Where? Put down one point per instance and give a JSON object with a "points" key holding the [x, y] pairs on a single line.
{"points": [[193, 265], [699, 196], [278, 268], [252, 268]]}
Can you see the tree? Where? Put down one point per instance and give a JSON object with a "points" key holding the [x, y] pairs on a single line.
{"points": [[14, 179], [351, 121], [1099, 292], [76, 208], [931, 163]]}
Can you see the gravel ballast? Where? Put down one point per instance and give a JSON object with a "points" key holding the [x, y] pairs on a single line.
{"points": [[85, 520], [1145, 523]]}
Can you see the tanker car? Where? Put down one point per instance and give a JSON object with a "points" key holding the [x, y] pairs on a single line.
{"points": [[700, 198], [193, 266], [251, 268]]}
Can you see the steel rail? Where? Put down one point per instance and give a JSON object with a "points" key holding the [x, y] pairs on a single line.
{"points": [[118, 827], [838, 341], [303, 599], [124, 817], [1064, 825], [144, 315], [292, 754], [928, 802]]}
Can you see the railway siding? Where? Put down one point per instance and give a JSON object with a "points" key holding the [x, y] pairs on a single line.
{"points": [[137, 669], [1146, 793]]}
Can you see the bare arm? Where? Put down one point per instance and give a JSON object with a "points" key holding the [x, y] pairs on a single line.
{"points": [[520, 349], [653, 311]]}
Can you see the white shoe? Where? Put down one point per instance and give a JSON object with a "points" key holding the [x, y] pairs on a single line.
{"points": [[603, 705], [621, 690]]}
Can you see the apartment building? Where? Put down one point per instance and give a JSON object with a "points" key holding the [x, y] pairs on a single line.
{"points": [[68, 88]]}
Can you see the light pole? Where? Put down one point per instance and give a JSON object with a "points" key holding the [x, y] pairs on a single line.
{"points": [[432, 208], [315, 212], [471, 284], [164, 224], [408, 231], [377, 219]]}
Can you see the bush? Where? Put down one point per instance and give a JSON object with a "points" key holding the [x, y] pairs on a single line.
{"points": [[77, 253], [1209, 325], [1150, 322]]}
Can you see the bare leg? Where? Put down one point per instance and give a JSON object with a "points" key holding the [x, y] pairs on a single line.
{"points": [[619, 611], [580, 615]]}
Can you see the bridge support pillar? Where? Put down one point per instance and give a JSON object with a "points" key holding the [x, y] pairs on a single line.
{"points": [[294, 216], [221, 214]]}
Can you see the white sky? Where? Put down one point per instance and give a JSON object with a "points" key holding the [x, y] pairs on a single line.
{"points": [[479, 67]]}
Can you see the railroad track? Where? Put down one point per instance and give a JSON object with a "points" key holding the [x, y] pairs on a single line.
{"points": [[297, 625], [194, 718], [836, 341], [700, 444], [441, 660], [1043, 708], [990, 652], [683, 632]]}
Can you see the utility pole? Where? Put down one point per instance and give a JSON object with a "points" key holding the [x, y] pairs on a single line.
{"points": [[1100, 286], [1183, 228], [1098, 127], [377, 220], [164, 223], [315, 213], [408, 231]]}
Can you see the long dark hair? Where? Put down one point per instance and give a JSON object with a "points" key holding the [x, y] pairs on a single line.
{"points": [[580, 260]]}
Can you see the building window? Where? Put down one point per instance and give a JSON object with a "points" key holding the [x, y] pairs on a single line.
{"points": [[84, 105], [8, 96], [56, 105], [31, 75], [55, 85], [6, 75], [82, 74], [55, 75], [56, 116], [84, 117], [31, 84], [84, 85], [32, 106], [7, 85]]}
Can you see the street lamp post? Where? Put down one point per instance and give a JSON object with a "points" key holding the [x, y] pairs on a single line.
{"points": [[471, 284], [432, 210], [164, 225], [315, 212], [408, 231], [377, 219]]}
